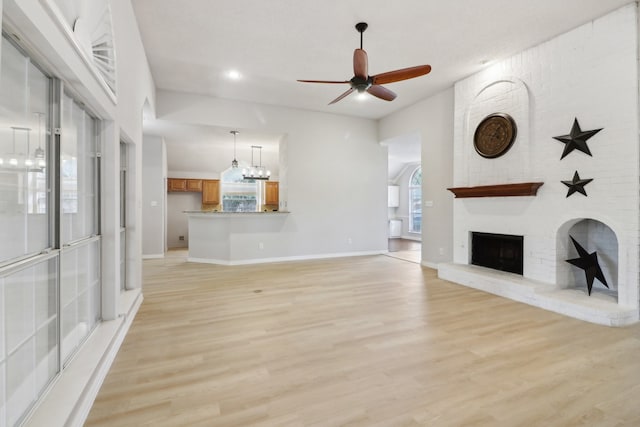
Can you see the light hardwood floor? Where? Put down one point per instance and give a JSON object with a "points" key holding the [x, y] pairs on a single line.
{"points": [[363, 341]]}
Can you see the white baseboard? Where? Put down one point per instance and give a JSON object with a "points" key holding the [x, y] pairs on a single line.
{"points": [[69, 400], [430, 264], [153, 256], [414, 238], [285, 259]]}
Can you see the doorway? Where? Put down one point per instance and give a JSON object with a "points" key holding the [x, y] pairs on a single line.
{"points": [[404, 197]]}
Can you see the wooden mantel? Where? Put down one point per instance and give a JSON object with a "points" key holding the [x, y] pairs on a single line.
{"points": [[500, 190]]}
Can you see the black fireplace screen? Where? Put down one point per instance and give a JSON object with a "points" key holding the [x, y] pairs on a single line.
{"points": [[498, 251]]}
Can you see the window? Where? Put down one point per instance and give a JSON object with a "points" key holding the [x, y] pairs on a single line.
{"points": [[123, 216], [29, 314], [238, 194], [78, 172], [415, 201], [50, 288], [80, 267], [24, 113]]}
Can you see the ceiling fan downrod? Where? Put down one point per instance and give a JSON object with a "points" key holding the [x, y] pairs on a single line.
{"points": [[361, 27]]}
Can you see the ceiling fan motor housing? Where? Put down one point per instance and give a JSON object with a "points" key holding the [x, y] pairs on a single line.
{"points": [[360, 84]]}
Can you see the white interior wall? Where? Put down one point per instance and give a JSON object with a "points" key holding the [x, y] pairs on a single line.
{"points": [[135, 89], [432, 119], [154, 196], [336, 174]]}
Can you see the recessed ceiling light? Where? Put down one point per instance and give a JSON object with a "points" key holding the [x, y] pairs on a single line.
{"points": [[234, 74]]}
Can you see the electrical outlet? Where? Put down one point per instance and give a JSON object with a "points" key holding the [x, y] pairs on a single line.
{"points": [[260, 245], [180, 237], [441, 251], [349, 240]]}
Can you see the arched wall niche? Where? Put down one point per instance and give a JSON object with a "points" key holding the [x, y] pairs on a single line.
{"points": [[594, 236]]}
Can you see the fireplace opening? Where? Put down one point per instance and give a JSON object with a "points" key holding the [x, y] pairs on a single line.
{"points": [[498, 251]]}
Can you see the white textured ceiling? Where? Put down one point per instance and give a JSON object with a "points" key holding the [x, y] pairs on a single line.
{"points": [[192, 44]]}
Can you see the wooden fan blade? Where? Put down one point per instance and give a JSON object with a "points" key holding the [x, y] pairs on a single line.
{"points": [[382, 92], [360, 64], [403, 74], [342, 96], [323, 81]]}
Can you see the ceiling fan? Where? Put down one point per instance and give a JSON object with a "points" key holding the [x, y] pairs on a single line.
{"points": [[363, 82]]}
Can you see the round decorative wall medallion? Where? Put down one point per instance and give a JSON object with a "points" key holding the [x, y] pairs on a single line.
{"points": [[495, 135]]}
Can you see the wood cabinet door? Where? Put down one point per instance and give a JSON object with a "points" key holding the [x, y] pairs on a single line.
{"points": [[210, 192], [194, 185], [176, 184], [271, 190]]}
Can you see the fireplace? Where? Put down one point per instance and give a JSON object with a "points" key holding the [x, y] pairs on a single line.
{"points": [[498, 251]]}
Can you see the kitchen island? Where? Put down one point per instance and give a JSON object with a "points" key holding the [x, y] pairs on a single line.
{"points": [[232, 238]]}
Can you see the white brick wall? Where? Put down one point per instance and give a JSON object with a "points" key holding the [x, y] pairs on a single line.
{"points": [[590, 73]]}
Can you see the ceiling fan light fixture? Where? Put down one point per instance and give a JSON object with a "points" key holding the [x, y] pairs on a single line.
{"points": [[234, 75]]}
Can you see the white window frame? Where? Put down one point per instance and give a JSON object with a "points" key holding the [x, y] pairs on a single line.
{"points": [[412, 209]]}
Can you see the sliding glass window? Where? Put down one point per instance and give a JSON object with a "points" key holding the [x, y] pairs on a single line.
{"points": [[80, 267], [78, 172], [24, 114], [28, 268], [123, 216], [50, 293]]}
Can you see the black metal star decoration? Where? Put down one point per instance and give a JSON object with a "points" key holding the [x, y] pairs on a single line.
{"points": [[576, 140], [589, 263], [576, 184]]}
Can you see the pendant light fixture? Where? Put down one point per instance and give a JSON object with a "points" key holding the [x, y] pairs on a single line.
{"points": [[13, 160], [234, 162], [39, 152], [256, 171]]}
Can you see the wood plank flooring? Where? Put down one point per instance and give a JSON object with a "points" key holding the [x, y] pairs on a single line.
{"points": [[396, 245], [363, 341]]}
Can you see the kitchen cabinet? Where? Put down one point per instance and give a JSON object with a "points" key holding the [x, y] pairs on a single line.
{"points": [[271, 193], [184, 184], [194, 185], [176, 184], [210, 192]]}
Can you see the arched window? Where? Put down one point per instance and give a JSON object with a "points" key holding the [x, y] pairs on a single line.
{"points": [[415, 201], [238, 194]]}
